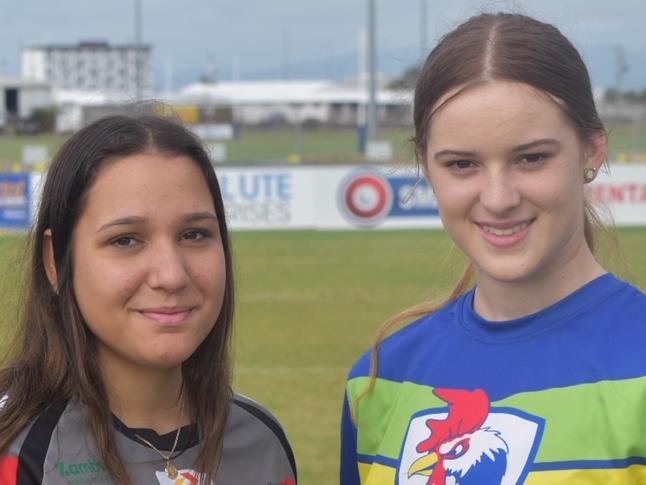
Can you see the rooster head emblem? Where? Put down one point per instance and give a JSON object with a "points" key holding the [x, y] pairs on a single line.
{"points": [[459, 448]]}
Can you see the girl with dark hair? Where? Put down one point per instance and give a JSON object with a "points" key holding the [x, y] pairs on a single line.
{"points": [[121, 374], [533, 369]]}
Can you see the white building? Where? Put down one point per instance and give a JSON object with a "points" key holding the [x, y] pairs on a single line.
{"points": [[20, 97], [297, 102], [92, 66]]}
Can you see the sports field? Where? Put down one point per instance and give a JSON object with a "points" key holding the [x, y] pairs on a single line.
{"points": [[323, 145], [308, 305]]}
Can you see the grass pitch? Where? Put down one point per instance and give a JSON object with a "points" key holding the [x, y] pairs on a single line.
{"points": [[323, 145], [309, 304]]}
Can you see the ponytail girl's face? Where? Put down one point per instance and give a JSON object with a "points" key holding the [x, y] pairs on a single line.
{"points": [[507, 166], [149, 270]]}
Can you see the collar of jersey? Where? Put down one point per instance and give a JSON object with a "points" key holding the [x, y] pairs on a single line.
{"points": [[522, 328], [188, 436]]}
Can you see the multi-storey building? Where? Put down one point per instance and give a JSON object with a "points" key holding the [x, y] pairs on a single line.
{"points": [[124, 70]]}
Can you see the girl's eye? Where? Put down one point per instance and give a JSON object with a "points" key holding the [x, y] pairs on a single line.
{"points": [[533, 158], [460, 165], [196, 235], [124, 242]]}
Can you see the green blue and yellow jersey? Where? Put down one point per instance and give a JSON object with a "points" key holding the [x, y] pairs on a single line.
{"points": [[557, 397]]}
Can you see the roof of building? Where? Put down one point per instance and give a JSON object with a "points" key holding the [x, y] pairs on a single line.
{"points": [[16, 82], [281, 91], [89, 98], [96, 45]]}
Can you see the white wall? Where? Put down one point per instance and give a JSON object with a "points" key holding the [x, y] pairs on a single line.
{"points": [[33, 97], [34, 64]]}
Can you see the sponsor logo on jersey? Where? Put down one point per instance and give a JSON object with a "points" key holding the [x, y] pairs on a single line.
{"points": [[184, 477], [468, 443], [86, 467], [83, 473], [191, 477]]}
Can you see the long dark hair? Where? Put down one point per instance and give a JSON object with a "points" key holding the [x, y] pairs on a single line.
{"points": [[498, 47], [55, 358]]}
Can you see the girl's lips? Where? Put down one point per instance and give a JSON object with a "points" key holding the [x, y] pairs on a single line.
{"points": [[167, 316], [505, 235]]}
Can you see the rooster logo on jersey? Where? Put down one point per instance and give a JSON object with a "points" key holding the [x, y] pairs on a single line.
{"points": [[471, 444], [458, 447]]}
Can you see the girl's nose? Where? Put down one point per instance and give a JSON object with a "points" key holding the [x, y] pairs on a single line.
{"points": [[499, 193], [168, 270]]}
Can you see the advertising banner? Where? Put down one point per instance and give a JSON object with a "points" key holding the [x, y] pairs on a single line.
{"points": [[374, 197], [15, 201], [267, 198], [339, 197], [621, 191]]}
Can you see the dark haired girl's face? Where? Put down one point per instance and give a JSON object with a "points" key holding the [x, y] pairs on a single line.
{"points": [[149, 268]]}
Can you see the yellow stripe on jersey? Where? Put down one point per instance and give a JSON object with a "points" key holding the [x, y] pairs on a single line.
{"points": [[633, 475], [376, 474]]}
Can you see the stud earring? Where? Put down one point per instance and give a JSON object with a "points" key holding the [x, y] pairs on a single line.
{"points": [[589, 174]]}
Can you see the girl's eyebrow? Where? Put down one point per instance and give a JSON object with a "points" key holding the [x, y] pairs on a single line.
{"points": [[525, 146], [123, 221], [199, 216], [535, 143], [133, 220], [454, 153]]}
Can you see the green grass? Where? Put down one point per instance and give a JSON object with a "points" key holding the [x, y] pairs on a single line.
{"points": [[12, 268], [627, 142], [321, 145], [11, 146], [308, 306]]}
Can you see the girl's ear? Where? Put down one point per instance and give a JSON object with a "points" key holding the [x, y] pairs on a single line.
{"points": [[596, 150], [48, 259]]}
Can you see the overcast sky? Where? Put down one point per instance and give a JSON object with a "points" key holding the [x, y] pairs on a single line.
{"points": [[308, 38]]}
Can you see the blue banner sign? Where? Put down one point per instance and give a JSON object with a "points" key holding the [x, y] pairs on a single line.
{"points": [[15, 201]]}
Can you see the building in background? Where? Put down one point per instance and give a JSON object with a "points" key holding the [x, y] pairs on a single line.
{"points": [[20, 98], [296, 102], [121, 70]]}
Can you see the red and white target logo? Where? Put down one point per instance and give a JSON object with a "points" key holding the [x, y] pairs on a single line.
{"points": [[365, 198]]}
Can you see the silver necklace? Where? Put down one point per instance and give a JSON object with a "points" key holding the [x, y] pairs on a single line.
{"points": [[170, 469]]}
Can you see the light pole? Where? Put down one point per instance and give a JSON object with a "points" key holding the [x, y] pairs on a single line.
{"points": [[372, 128], [138, 50], [422, 30]]}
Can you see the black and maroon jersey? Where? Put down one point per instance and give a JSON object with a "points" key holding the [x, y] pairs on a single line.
{"points": [[58, 448]]}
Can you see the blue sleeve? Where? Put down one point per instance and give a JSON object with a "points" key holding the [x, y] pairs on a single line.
{"points": [[349, 464]]}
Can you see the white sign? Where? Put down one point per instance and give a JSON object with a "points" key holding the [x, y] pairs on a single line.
{"points": [[217, 152], [267, 198], [384, 197], [379, 150], [34, 154], [213, 132], [622, 190]]}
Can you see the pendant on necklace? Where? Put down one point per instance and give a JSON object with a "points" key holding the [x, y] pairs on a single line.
{"points": [[170, 470]]}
